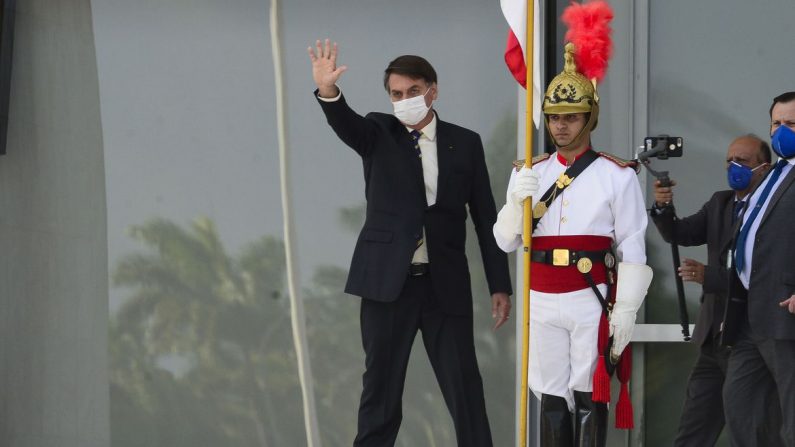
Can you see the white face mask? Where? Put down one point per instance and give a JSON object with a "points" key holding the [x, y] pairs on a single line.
{"points": [[411, 111]]}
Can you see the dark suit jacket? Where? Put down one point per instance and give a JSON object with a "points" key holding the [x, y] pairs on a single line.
{"points": [[397, 210], [711, 225], [772, 266]]}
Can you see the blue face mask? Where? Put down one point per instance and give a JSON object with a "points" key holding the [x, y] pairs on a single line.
{"points": [[783, 142], [740, 175]]}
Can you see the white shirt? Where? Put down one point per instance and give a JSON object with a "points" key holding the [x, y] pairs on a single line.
{"points": [[745, 275], [430, 171], [604, 200], [430, 174]]}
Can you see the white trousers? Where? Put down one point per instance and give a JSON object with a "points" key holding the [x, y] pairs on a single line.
{"points": [[564, 329]]}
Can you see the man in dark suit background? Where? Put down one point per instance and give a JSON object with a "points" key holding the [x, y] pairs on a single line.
{"points": [[760, 317], [409, 264], [747, 160]]}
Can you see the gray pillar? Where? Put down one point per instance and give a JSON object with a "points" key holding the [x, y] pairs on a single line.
{"points": [[53, 244]]}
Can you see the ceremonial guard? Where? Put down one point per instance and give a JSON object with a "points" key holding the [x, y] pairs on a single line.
{"points": [[588, 271]]}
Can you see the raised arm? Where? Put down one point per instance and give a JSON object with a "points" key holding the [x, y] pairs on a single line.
{"points": [[353, 129]]}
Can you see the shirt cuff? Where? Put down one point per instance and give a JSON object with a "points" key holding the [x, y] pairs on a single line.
{"points": [[336, 98], [656, 210]]}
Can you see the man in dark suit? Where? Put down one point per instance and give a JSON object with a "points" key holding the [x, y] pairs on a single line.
{"points": [[747, 160], [760, 317], [409, 264]]}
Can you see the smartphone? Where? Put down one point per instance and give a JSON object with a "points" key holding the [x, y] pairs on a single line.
{"points": [[663, 146]]}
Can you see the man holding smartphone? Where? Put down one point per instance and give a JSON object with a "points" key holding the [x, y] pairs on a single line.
{"points": [[747, 161]]}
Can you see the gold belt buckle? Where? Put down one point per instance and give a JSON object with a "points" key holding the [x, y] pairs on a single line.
{"points": [[560, 257]]}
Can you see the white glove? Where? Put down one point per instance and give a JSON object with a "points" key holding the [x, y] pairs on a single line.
{"points": [[633, 283], [525, 184], [509, 219]]}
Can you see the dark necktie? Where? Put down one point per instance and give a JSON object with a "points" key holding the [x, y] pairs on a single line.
{"points": [[415, 136], [739, 248], [738, 210]]}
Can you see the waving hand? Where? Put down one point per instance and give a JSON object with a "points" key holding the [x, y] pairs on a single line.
{"points": [[324, 68]]}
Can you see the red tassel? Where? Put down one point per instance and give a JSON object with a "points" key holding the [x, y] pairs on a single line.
{"points": [[624, 416], [601, 382], [603, 334], [624, 367]]}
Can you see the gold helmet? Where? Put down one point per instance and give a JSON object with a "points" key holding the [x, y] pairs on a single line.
{"points": [[571, 92]]}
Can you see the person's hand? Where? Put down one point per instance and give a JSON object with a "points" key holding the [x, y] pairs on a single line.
{"points": [[692, 271], [324, 68], [500, 309], [524, 185], [789, 304], [621, 326], [663, 195], [633, 283]]}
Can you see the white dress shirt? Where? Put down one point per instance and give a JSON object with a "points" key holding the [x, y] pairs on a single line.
{"points": [[745, 274], [430, 173]]}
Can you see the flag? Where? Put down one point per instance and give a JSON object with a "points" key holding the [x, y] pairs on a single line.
{"points": [[515, 12]]}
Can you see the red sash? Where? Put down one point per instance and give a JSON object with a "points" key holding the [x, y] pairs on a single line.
{"points": [[556, 279]]}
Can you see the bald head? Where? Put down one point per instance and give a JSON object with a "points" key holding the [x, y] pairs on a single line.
{"points": [[749, 150]]}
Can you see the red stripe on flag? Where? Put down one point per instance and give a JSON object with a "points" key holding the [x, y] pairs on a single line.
{"points": [[514, 58]]}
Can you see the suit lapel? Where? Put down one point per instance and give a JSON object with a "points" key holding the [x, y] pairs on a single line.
{"points": [[786, 183], [444, 157], [727, 230]]}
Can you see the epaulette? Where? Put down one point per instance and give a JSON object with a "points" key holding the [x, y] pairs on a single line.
{"points": [[621, 162], [537, 159]]}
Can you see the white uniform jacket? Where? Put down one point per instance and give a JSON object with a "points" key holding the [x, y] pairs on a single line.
{"points": [[604, 200]]}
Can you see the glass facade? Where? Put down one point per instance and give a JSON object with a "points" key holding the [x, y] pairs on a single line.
{"points": [[202, 351], [708, 85], [201, 348]]}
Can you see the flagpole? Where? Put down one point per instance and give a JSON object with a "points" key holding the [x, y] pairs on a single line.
{"points": [[527, 231], [297, 318]]}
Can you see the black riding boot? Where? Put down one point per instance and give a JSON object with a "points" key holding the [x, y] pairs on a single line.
{"points": [[590, 426], [555, 422]]}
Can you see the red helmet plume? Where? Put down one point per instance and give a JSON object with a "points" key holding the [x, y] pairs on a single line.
{"points": [[589, 31]]}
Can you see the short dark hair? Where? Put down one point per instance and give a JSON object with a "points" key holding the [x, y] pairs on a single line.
{"points": [[412, 66], [784, 97]]}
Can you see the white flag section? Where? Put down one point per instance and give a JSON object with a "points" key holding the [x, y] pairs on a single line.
{"points": [[515, 12]]}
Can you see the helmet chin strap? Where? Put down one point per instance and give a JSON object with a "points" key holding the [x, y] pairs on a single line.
{"points": [[593, 120], [574, 143]]}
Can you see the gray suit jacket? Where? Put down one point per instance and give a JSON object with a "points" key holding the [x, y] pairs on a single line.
{"points": [[772, 266], [711, 225]]}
